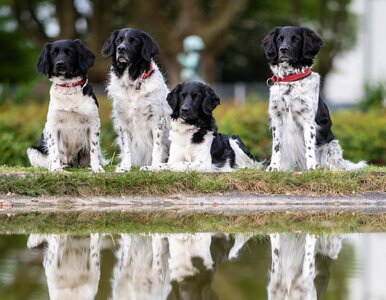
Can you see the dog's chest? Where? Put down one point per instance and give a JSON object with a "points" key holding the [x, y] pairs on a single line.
{"points": [[72, 110]]}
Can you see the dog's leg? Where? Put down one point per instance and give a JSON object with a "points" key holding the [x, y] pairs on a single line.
{"points": [[95, 148], [52, 137], [277, 134], [95, 245], [125, 143], [309, 131], [158, 132], [275, 252], [309, 257]]}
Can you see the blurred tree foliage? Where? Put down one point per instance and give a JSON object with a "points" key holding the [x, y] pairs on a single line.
{"points": [[231, 30]]}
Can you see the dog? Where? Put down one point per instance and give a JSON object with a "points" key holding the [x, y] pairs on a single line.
{"points": [[300, 120], [72, 131], [294, 267], [71, 264], [141, 115], [196, 144]]}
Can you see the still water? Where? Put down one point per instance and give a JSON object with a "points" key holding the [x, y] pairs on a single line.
{"points": [[193, 266]]}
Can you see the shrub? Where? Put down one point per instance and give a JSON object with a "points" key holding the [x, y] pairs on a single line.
{"points": [[362, 135]]}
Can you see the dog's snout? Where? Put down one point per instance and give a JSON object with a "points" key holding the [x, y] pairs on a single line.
{"points": [[283, 49], [60, 63], [185, 108], [121, 49]]}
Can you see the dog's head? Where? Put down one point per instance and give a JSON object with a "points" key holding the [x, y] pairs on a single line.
{"points": [[130, 47], [192, 101], [67, 58], [294, 45]]}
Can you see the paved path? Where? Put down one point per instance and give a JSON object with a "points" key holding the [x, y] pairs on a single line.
{"points": [[231, 203]]}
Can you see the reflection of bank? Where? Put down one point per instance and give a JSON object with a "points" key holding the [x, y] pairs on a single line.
{"points": [[190, 60]]}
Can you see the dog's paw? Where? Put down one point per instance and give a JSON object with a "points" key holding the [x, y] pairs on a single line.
{"points": [[155, 168], [122, 169], [313, 166], [56, 169], [97, 169], [272, 169]]}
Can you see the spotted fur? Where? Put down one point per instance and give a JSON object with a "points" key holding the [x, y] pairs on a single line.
{"points": [[301, 125], [71, 135], [141, 115]]}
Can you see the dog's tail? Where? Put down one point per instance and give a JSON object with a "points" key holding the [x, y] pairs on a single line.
{"points": [[37, 158], [331, 157], [243, 158]]}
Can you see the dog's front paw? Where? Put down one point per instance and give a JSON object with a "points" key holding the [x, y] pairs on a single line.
{"points": [[272, 168], [56, 168], [97, 169], [155, 168], [122, 169], [313, 166]]}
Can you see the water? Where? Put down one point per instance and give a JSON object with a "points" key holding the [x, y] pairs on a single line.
{"points": [[193, 266]]}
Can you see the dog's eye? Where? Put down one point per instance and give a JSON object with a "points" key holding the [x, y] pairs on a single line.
{"points": [[118, 40], [183, 95], [133, 41], [67, 51], [194, 95], [280, 38], [294, 39], [54, 52]]}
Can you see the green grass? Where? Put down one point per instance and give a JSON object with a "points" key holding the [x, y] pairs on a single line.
{"points": [[171, 222], [35, 182]]}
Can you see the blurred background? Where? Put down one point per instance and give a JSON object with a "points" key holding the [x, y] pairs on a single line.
{"points": [[216, 40]]}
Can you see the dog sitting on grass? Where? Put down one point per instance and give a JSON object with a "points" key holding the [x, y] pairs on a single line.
{"points": [[71, 134]]}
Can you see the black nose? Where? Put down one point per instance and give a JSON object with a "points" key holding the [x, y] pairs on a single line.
{"points": [[121, 49], [60, 64], [283, 49], [185, 109]]}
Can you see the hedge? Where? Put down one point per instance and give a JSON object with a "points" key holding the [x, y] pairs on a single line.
{"points": [[362, 135]]}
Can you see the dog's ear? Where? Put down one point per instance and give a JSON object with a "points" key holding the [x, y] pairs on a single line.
{"points": [[311, 43], [173, 101], [149, 47], [43, 64], [211, 100], [269, 44], [85, 56], [108, 48]]}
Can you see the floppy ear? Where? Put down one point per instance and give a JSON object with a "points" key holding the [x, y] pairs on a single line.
{"points": [[173, 100], [109, 46], [311, 43], [269, 44], [85, 56], [149, 47], [211, 100], [43, 64]]}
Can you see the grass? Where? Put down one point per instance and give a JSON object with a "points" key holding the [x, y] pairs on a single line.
{"points": [[37, 182], [170, 222]]}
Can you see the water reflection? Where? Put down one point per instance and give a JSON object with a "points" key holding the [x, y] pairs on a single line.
{"points": [[189, 266]]}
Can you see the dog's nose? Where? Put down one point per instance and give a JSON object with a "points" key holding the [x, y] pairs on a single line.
{"points": [[185, 109], [60, 64], [121, 49], [283, 49]]}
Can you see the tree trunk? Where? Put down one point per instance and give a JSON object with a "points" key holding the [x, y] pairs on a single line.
{"points": [[66, 13]]}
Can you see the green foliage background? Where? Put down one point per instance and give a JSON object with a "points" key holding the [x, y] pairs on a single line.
{"points": [[362, 135]]}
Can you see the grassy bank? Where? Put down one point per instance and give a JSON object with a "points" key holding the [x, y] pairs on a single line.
{"points": [[86, 222], [35, 182]]}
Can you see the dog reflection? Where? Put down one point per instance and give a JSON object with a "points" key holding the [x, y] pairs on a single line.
{"points": [[141, 272], [173, 266], [71, 264], [294, 269]]}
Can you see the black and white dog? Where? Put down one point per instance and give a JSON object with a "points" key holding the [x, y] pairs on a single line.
{"points": [[72, 131], [141, 115], [195, 143], [300, 120]]}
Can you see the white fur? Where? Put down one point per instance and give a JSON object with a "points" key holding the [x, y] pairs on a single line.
{"points": [[141, 272], [72, 265], [72, 124], [293, 267], [141, 118], [292, 109], [188, 156]]}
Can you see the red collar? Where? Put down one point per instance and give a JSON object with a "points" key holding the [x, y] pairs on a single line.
{"points": [[271, 81], [148, 73], [72, 84]]}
